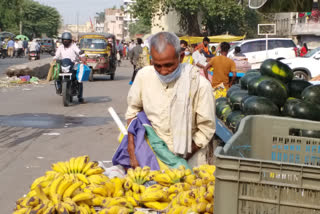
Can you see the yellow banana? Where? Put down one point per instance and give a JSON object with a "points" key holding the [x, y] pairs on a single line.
{"points": [[132, 201], [135, 187], [115, 210], [63, 186], [190, 178], [142, 188], [37, 182], [82, 196], [63, 166], [136, 196], [154, 187], [137, 172], [128, 193], [33, 201], [70, 205], [54, 185], [82, 178], [21, 211], [96, 170], [72, 164], [31, 193], [110, 188], [101, 191], [117, 186], [87, 167], [86, 206], [209, 208], [83, 161], [118, 201], [171, 174], [82, 210], [76, 163], [145, 171], [50, 209], [131, 174], [153, 196], [57, 168], [198, 182], [97, 200], [127, 184], [41, 194], [97, 179], [71, 189], [93, 211], [199, 207], [163, 179], [172, 196], [187, 172], [67, 164], [208, 196], [156, 205]]}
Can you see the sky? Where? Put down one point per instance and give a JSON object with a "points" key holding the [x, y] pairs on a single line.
{"points": [[85, 8]]}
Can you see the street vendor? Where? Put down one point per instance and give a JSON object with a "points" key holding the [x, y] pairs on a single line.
{"points": [[175, 102]]}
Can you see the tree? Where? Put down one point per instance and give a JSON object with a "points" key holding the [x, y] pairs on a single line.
{"points": [[40, 19], [10, 15], [100, 17], [138, 28]]}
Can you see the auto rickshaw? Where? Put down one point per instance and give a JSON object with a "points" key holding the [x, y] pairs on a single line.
{"points": [[48, 46], [101, 53]]}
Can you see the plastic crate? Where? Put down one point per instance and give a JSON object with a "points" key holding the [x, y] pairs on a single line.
{"points": [[265, 168]]}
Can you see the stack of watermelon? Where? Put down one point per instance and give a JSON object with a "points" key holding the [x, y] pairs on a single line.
{"points": [[270, 91]]}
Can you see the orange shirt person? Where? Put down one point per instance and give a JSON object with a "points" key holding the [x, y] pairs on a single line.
{"points": [[222, 66], [204, 46]]}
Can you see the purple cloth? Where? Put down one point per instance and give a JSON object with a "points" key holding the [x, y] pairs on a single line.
{"points": [[144, 154]]}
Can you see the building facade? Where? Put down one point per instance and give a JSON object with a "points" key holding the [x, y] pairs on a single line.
{"points": [[114, 22], [128, 18]]}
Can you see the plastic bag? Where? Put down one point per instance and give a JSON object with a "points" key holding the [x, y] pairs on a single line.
{"points": [[56, 71], [83, 72]]}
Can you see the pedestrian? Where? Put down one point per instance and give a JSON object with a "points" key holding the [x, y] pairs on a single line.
{"points": [[213, 51], [199, 58], [183, 44], [20, 48], [25, 46], [222, 66], [187, 56], [16, 47], [10, 48], [176, 103], [131, 45], [304, 50], [125, 51], [241, 60], [134, 58], [237, 52], [204, 46], [4, 48]]}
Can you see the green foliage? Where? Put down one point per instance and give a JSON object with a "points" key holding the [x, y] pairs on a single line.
{"points": [[138, 28], [217, 16], [36, 18]]}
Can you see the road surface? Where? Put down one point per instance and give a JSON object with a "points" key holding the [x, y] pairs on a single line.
{"points": [[36, 130], [7, 62]]}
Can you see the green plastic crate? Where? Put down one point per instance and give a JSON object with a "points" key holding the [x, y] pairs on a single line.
{"points": [[267, 167]]}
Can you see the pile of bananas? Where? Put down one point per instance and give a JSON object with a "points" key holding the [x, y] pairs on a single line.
{"points": [[78, 186]]}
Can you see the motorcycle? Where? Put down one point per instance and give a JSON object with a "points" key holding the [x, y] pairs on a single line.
{"points": [[34, 55], [67, 85]]}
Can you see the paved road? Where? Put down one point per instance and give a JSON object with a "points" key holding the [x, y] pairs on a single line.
{"points": [[36, 130], [7, 62]]}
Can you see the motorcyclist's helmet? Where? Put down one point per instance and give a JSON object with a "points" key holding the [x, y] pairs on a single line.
{"points": [[66, 39]]}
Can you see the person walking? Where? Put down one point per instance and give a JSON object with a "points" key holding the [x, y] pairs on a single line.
{"points": [[20, 48], [134, 58], [222, 66], [10, 48], [25, 46], [304, 50]]}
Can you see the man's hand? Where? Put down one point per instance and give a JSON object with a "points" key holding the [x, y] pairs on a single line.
{"points": [[194, 148], [133, 160]]}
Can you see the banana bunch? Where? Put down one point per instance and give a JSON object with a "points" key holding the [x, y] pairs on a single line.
{"points": [[116, 205], [196, 200], [64, 196], [155, 197], [205, 173], [171, 176]]}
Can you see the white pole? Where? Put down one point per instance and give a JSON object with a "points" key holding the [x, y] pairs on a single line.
{"points": [[117, 121]]}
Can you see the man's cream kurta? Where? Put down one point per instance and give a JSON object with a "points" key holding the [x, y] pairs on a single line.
{"points": [[148, 93]]}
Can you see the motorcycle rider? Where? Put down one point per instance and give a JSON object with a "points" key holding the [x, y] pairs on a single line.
{"points": [[69, 50]]}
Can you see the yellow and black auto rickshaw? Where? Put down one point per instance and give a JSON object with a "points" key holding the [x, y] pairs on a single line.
{"points": [[101, 53]]}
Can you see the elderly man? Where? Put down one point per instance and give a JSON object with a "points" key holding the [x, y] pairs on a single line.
{"points": [[177, 101]]}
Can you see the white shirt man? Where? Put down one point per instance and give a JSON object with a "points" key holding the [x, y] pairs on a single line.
{"points": [[199, 59], [71, 52]]}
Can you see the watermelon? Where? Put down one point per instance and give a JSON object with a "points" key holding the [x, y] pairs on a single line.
{"points": [[312, 94], [275, 68], [236, 97], [246, 78], [221, 101], [223, 112], [234, 118], [310, 133], [252, 71], [273, 90], [296, 87], [306, 110], [254, 83], [232, 89], [287, 109], [243, 100], [260, 105]]}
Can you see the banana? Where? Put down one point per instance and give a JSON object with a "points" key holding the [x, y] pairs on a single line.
{"points": [[136, 196], [127, 184], [63, 186], [132, 201], [145, 171], [87, 167], [137, 172], [101, 191], [142, 188], [156, 205], [63, 166], [70, 205], [82, 210], [93, 211], [61, 209], [131, 174], [54, 185], [96, 170], [136, 188], [86, 206], [199, 207], [154, 187], [198, 182], [118, 201], [83, 161], [40, 193], [117, 186], [115, 210], [71, 189], [172, 196], [153, 196], [190, 178], [208, 196], [31, 193], [33, 201], [97, 200], [179, 173], [128, 193], [82, 178], [72, 164], [209, 208], [36, 182], [110, 188], [50, 209], [82, 196], [171, 174], [97, 179], [67, 164], [163, 179]]}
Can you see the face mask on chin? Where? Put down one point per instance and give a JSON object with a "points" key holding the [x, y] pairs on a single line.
{"points": [[170, 77]]}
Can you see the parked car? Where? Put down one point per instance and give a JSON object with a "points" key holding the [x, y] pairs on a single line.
{"points": [[305, 67], [256, 52]]}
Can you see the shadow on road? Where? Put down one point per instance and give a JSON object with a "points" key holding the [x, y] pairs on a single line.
{"points": [[50, 121], [98, 99]]}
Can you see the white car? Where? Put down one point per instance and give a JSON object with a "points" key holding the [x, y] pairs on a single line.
{"points": [[305, 67], [256, 50]]}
